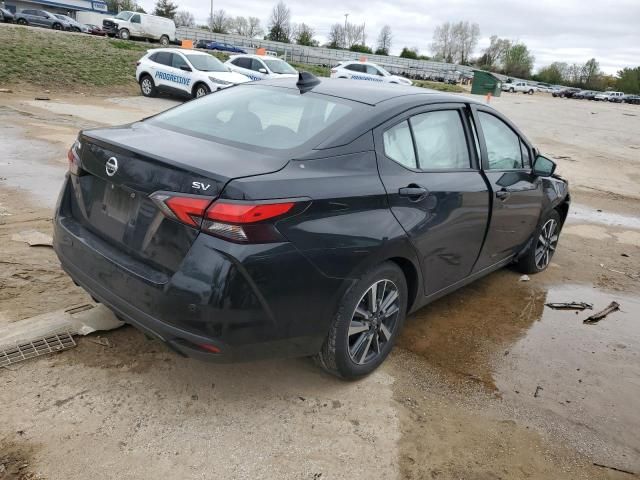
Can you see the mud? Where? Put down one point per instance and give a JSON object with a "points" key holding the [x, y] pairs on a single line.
{"points": [[455, 399]]}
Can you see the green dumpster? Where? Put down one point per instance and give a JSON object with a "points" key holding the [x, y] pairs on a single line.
{"points": [[485, 83]]}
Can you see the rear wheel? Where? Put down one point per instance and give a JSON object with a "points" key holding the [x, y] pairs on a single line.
{"points": [[147, 87], [200, 90], [530, 92], [124, 34], [539, 254], [56, 26], [367, 323], [22, 21], [164, 40], [511, 90]]}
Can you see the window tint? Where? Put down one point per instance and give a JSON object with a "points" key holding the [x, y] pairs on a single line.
{"points": [[371, 70], [503, 145], [153, 57], [177, 61], [398, 145], [164, 58], [262, 117], [242, 62], [440, 140], [135, 19], [356, 67]]}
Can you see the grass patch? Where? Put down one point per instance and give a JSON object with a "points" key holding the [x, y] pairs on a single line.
{"points": [[316, 70], [442, 87], [127, 45]]}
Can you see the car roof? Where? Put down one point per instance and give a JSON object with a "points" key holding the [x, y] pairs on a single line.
{"points": [[259, 57], [177, 50], [370, 93]]}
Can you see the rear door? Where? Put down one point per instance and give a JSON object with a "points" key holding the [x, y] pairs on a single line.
{"points": [[435, 189], [517, 192]]}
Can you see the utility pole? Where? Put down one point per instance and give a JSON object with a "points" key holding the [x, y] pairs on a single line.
{"points": [[346, 15], [211, 18]]}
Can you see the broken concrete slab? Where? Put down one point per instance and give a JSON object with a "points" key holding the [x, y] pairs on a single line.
{"points": [[34, 238]]}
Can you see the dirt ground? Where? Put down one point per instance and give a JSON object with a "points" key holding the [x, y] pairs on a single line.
{"points": [[487, 383]]}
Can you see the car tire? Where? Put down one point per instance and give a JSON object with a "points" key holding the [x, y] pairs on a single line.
{"points": [[147, 87], [22, 21], [511, 90], [530, 92], [200, 90], [355, 346], [164, 40], [542, 246], [123, 34], [56, 26]]}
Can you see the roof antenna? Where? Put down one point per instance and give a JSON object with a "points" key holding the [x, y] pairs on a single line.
{"points": [[306, 81]]}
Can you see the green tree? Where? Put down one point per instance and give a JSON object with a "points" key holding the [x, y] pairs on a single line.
{"points": [[628, 80], [518, 61], [360, 48], [409, 53], [280, 23], [591, 74], [556, 73], [304, 35], [166, 8]]}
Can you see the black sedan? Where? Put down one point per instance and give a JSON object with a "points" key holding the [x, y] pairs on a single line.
{"points": [[6, 16], [302, 217]]}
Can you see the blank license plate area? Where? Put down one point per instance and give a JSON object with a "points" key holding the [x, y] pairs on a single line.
{"points": [[117, 203]]}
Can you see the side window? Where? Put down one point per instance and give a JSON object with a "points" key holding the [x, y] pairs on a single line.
{"points": [[242, 62], [164, 58], [440, 140], [153, 57], [135, 19], [256, 64], [356, 67], [177, 61], [371, 70], [398, 145], [503, 145]]}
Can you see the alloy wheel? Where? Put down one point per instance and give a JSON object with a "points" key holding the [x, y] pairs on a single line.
{"points": [[546, 244], [146, 86], [373, 322], [201, 92]]}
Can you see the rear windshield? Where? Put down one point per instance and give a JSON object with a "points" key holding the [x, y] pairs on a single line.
{"points": [[207, 63], [266, 118]]}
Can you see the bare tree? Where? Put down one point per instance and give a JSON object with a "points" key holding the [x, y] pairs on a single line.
{"points": [[442, 46], [494, 54], [184, 18], [384, 41], [335, 36], [254, 29], [239, 26], [220, 22], [467, 40], [280, 23], [454, 42]]}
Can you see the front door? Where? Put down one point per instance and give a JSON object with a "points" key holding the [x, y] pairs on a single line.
{"points": [[517, 192], [430, 170]]}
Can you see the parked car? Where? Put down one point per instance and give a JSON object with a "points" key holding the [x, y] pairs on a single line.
{"points": [[6, 16], [296, 217], [183, 72], [590, 95], [201, 44], [41, 18], [635, 99], [523, 87], [73, 25], [260, 67], [368, 71], [565, 92], [608, 96], [223, 47], [128, 25], [581, 95], [96, 30]]}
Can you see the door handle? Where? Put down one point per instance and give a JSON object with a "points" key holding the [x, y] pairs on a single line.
{"points": [[503, 194], [414, 192]]}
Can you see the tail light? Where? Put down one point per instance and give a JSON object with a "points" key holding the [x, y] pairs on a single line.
{"points": [[238, 221], [73, 155]]}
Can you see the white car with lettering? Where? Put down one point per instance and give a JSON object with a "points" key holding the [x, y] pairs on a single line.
{"points": [[183, 72], [366, 71], [261, 67]]}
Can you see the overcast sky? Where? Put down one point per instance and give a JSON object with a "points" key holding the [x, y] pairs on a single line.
{"points": [[561, 30]]}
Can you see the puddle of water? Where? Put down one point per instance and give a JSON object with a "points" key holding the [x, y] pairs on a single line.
{"points": [[27, 164], [583, 214]]}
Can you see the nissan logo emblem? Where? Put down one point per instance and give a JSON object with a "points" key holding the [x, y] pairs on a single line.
{"points": [[111, 166]]}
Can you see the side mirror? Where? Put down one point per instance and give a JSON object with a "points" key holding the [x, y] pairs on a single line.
{"points": [[186, 68], [543, 167], [262, 70]]}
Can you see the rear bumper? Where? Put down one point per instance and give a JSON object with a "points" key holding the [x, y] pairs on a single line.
{"points": [[250, 302]]}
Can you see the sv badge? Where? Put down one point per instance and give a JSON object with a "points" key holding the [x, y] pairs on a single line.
{"points": [[200, 186]]}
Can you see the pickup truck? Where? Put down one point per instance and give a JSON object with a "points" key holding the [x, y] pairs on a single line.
{"points": [[523, 87]]}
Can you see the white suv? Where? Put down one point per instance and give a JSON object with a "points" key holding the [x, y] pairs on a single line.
{"points": [[523, 87], [260, 67], [366, 71], [608, 96], [183, 72]]}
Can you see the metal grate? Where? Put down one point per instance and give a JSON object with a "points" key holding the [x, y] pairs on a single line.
{"points": [[42, 346]]}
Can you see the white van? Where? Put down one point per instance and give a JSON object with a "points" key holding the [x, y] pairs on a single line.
{"points": [[128, 25]]}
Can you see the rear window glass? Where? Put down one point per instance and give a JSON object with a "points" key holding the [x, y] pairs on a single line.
{"points": [[262, 117]]}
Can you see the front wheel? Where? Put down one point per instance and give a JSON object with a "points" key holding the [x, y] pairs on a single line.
{"points": [[201, 90], [543, 245], [366, 324], [124, 34], [56, 26], [22, 21], [530, 92], [511, 90]]}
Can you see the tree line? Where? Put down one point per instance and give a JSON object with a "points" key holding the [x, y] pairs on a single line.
{"points": [[452, 42]]}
